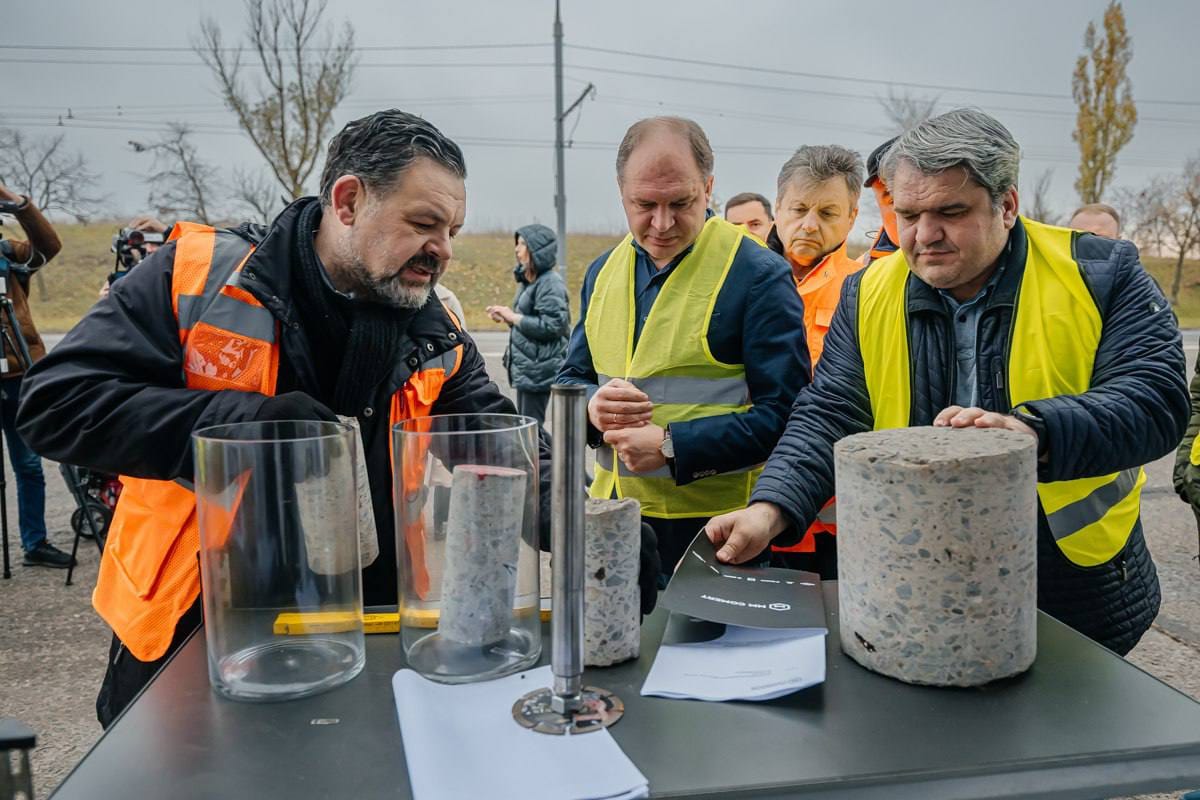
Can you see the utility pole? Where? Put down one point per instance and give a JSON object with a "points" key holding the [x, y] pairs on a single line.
{"points": [[560, 190]]}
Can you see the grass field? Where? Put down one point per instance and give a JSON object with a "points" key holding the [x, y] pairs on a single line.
{"points": [[480, 275]]}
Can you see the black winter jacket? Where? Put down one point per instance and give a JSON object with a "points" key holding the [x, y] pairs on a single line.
{"points": [[1134, 412], [537, 344], [111, 396]]}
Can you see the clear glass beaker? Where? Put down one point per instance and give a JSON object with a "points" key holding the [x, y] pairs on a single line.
{"points": [[466, 499], [279, 557]]}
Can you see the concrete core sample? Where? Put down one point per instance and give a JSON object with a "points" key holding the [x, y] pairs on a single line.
{"points": [[612, 599], [483, 537], [937, 553]]}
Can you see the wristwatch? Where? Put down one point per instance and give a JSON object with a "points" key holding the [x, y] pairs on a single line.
{"points": [[1031, 418], [667, 448]]}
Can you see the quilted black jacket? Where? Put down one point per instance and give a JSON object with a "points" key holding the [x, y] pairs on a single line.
{"points": [[538, 344], [1134, 412]]}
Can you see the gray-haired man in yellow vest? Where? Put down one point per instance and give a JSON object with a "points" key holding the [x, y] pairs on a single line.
{"points": [[990, 320], [690, 339]]}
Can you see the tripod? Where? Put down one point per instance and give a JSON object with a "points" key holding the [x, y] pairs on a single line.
{"points": [[14, 342]]}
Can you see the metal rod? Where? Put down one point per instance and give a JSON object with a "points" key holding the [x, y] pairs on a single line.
{"points": [[568, 406], [560, 191]]}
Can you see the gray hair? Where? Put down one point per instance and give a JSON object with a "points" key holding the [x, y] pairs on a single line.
{"points": [[964, 137], [817, 163], [686, 128]]}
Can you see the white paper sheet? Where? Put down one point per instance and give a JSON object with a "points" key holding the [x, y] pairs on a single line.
{"points": [[462, 741], [740, 664]]}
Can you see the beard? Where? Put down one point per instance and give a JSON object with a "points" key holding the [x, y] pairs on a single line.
{"points": [[393, 290]]}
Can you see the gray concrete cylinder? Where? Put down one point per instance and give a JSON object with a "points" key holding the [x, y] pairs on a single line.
{"points": [[483, 537], [612, 610], [937, 553]]}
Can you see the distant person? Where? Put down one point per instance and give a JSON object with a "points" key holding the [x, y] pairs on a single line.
{"points": [[1187, 455], [19, 259], [126, 261], [887, 239], [815, 209], [450, 301], [539, 320], [1098, 218], [752, 211]]}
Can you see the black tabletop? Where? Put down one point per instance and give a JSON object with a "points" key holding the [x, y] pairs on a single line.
{"points": [[1081, 723]]}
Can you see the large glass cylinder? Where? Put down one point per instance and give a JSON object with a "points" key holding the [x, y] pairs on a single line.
{"points": [[466, 499], [279, 557]]}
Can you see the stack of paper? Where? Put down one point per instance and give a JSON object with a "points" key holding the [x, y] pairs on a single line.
{"points": [[709, 661], [462, 741], [738, 633]]}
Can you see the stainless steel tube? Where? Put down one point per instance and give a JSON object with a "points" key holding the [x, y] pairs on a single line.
{"points": [[568, 428]]}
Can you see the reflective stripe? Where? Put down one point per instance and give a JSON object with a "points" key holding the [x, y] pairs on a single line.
{"points": [[671, 390], [1092, 508], [186, 484], [227, 313], [828, 514]]}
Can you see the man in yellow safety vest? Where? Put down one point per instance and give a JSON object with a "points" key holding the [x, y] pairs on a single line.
{"points": [[690, 340], [990, 320]]}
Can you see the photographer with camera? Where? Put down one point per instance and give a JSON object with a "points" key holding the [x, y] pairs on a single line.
{"points": [[21, 347], [141, 237]]}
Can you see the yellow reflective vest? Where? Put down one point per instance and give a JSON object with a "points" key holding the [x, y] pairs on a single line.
{"points": [[673, 365], [1052, 346]]}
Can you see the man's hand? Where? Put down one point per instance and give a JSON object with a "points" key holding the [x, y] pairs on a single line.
{"points": [[959, 417], [639, 448], [742, 535], [619, 404]]}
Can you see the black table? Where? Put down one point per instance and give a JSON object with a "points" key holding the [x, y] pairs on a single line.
{"points": [[1081, 723]]}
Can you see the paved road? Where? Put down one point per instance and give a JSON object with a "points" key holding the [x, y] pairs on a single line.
{"points": [[53, 647]]}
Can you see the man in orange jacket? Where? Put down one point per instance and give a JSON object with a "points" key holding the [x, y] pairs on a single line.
{"points": [[816, 207], [328, 311], [888, 237]]}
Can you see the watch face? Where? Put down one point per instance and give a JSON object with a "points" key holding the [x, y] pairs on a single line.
{"points": [[667, 448]]}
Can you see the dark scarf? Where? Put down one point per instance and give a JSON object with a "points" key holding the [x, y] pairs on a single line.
{"points": [[355, 344]]}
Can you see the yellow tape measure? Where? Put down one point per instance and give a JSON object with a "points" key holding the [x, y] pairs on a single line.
{"points": [[292, 623]]}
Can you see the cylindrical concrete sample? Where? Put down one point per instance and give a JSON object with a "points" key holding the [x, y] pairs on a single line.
{"points": [[612, 609], [483, 537], [937, 553]]}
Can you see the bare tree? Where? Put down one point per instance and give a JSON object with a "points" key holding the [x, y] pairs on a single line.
{"points": [[182, 184], [257, 194], [906, 111], [43, 169], [1107, 115], [1039, 206], [1181, 219], [289, 115]]}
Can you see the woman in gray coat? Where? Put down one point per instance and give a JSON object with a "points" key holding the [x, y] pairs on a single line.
{"points": [[539, 320]]}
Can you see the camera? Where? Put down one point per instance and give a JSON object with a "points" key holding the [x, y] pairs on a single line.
{"points": [[131, 246]]}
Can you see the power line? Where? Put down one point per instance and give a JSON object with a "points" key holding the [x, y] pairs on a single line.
{"points": [[189, 48], [854, 79], [368, 64]]}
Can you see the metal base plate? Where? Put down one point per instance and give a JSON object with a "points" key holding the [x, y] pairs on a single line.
{"points": [[601, 708]]}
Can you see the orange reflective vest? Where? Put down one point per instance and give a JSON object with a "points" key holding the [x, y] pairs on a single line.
{"points": [[149, 575], [820, 290]]}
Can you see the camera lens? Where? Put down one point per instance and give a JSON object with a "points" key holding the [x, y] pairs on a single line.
{"points": [[136, 239]]}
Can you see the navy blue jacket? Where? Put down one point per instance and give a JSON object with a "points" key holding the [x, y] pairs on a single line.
{"points": [[758, 321], [1135, 411]]}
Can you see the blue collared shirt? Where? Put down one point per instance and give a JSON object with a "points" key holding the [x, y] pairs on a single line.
{"points": [[966, 331]]}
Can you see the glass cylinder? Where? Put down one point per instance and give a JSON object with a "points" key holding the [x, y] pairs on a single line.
{"points": [[466, 500], [279, 557]]}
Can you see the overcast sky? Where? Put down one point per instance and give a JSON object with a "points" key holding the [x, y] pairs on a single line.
{"points": [[1012, 59]]}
